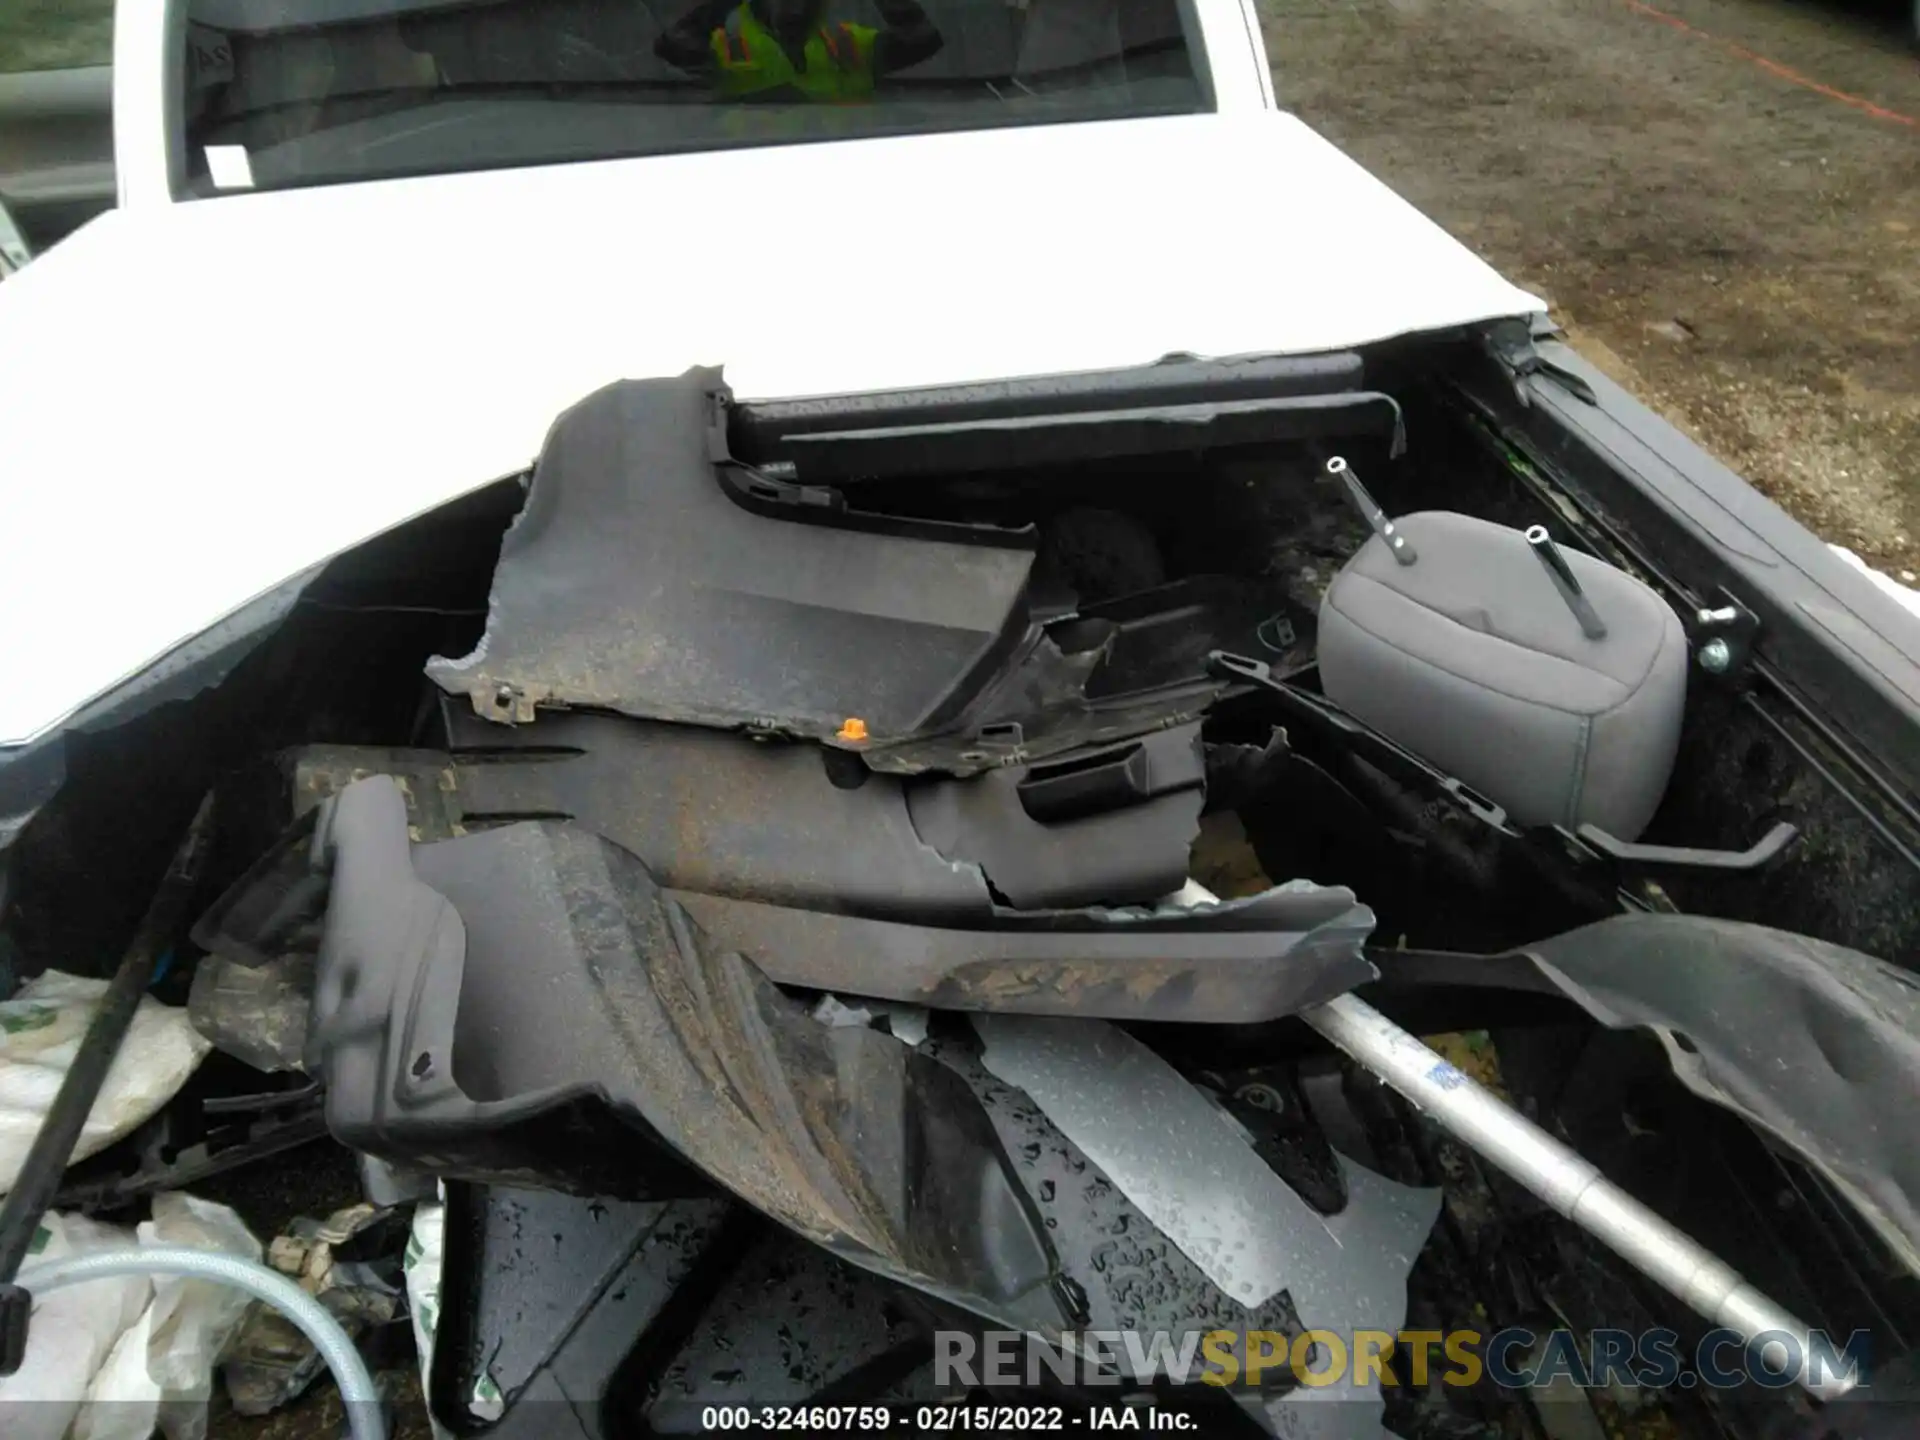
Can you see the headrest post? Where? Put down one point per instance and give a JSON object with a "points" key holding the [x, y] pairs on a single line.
{"points": [[1398, 544], [1563, 580]]}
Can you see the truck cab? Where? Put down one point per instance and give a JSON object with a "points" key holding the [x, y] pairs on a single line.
{"points": [[207, 97]]}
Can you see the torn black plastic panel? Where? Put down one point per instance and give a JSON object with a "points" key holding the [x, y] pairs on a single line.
{"points": [[32, 772], [549, 1328], [1817, 1045], [638, 1320], [1103, 827], [778, 822], [1241, 961], [717, 813], [906, 451], [630, 1319], [758, 1340], [833, 888], [758, 429], [479, 996], [632, 582], [29, 777], [1132, 1276]]}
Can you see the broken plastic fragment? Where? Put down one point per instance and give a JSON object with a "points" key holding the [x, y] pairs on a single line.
{"points": [[832, 1011], [1377, 1237], [907, 1022], [1188, 1166], [270, 1362], [1170, 1152]]}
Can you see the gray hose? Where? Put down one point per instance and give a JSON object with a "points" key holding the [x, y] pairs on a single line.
{"points": [[365, 1419]]}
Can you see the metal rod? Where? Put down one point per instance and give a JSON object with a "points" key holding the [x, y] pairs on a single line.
{"points": [[1401, 547], [1564, 581], [1572, 1186], [52, 1147]]}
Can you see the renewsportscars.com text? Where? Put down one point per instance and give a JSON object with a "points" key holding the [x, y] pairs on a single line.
{"points": [[1514, 1359]]}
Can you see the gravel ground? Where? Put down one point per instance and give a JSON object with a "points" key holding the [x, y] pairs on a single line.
{"points": [[48, 34], [1720, 199]]}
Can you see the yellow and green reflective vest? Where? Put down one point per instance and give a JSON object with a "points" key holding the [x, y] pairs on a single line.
{"points": [[839, 60]]}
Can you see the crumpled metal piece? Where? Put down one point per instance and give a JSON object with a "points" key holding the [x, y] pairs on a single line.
{"points": [[270, 1363]]}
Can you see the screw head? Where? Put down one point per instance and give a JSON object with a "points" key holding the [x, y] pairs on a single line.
{"points": [[1263, 1097], [1716, 657]]}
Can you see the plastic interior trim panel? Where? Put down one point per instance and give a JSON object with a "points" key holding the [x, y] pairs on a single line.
{"points": [[1244, 961], [437, 1046], [677, 598], [1815, 1044], [731, 829], [716, 813], [904, 451], [758, 428], [915, 643]]}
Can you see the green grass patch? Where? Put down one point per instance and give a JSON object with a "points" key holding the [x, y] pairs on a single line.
{"points": [[55, 34]]}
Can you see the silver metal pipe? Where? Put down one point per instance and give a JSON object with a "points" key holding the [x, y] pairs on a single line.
{"points": [[1572, 1186], [1401, 547], [1564, 581]]}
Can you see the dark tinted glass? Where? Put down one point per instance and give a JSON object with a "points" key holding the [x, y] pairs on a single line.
{"points": [[290, 92]]}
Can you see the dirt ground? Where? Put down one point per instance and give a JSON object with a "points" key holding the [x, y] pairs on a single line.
{"points": [[1720, 199]]}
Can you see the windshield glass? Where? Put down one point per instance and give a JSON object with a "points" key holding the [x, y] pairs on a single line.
{"points": [[297, 92]]}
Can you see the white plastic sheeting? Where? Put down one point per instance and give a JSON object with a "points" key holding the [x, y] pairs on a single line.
{"points": [[40, 1031], [72, 1334], [122, 1358], [160, 1373]]}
